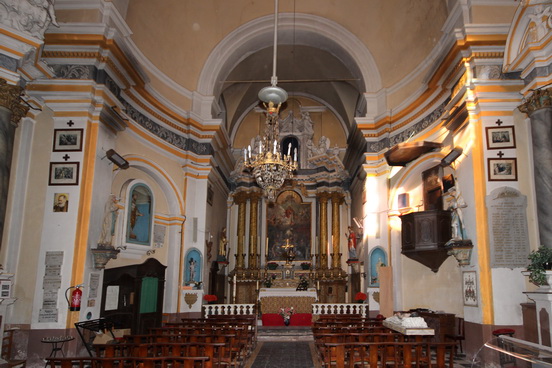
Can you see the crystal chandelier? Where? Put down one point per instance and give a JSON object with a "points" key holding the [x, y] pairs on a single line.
{"points": [[269, 165]]}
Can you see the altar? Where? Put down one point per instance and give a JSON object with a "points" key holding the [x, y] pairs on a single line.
{"points": [[274, 299], [287, 292]]}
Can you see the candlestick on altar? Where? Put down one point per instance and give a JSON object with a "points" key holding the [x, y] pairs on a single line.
{"points": [[234, 296]]}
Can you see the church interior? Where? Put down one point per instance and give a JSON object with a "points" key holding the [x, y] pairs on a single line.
{"points": [[162, 159]]}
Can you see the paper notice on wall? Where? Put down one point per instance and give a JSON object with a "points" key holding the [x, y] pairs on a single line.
{"points": [[93, 283], [112, 298], [159, 235]]}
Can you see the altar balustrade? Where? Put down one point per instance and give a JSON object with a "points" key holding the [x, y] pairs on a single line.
{"points": [[340, 308], [228, 309]]}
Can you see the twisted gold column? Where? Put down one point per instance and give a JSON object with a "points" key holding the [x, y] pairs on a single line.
{"points": [[240, 199], [337, 199], [322, 246], [253, 230]]}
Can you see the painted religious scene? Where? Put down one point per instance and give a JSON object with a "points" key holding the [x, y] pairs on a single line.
{"points": [[289, 222]]}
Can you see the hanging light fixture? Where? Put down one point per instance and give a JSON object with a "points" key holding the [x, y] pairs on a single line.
{"points": [[269, 166]]}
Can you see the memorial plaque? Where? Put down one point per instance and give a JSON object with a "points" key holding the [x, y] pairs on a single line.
{"points": [[51, 282], [507, 219], [48, 315], [54, 258]]}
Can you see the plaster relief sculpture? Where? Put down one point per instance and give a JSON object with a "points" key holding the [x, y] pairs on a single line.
{"points": [[28, 16]]}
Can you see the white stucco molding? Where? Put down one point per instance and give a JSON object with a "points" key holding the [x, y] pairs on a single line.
{"points": [[528, 41], [308, 30]]}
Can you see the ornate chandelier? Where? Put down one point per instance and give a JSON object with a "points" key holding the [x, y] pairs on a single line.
{"points": [[269, 165]]}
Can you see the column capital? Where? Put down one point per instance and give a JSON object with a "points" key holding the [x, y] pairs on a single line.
{"points": [[323, 196], [337, 197], [10, 98], [540, 99], [241, 197]]}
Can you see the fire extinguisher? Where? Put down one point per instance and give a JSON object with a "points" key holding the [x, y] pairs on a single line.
{"points": [[76, 297]]}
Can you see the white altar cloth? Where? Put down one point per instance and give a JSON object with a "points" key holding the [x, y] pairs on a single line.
{"points": [[267, 292]]}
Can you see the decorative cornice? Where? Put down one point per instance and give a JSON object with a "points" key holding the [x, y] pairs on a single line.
{"points": [[541, 98], [10, 98]]}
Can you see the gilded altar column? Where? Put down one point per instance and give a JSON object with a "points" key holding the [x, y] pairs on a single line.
{"points": [[539, 109], [253, 230], [240, 199], [323, 245], [337, 199], [11, 111]]}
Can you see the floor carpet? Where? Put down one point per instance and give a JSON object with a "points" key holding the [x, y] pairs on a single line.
{"points": [[278, 354]]}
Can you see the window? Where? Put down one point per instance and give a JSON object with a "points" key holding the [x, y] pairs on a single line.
{"points": [[290, 145], [139, 215]]}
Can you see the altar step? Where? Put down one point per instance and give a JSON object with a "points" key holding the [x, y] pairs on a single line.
{"points": [[289, 333]]}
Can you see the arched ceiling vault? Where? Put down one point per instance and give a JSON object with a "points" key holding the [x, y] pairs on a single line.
{"points": [[316, 57]]}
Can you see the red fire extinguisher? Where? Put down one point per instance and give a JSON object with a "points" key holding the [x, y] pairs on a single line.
{"points": [[76, 298]]}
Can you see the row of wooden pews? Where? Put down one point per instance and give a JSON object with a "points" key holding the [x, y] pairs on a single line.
{"points": [[352, 341], [210, 342]]}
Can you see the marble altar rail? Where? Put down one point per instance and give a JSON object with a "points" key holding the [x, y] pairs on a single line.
{"points": [[340, 308], [317, 308], [228, 309]]}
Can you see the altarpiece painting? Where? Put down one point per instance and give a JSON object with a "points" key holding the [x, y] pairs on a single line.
{"points": [[289, 218]]}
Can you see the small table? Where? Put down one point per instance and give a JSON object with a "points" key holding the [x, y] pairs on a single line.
{"points": [[57, 344]]}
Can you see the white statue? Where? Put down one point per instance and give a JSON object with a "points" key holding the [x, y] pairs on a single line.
{"points": [[455, 204], [29, 16], [541, 19], [110, 218]]}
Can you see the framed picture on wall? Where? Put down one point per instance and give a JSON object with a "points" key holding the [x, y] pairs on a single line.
{"points": [[500, 137], [67, 140], [469, 288], [502, 169], [64, 173]]}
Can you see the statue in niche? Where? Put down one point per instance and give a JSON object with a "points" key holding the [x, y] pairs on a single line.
{"points": [[222, 246], [29, 16]]}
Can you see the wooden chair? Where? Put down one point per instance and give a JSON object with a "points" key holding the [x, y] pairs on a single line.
{"points": [[7, 347], [458, 336]]}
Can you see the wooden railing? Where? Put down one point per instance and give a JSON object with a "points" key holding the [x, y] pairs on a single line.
{"points": [[340, 308]]}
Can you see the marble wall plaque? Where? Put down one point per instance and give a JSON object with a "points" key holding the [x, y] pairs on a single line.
{"points": [[508, 233]]}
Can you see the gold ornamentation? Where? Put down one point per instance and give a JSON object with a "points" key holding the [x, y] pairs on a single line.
{"points": [[540, 99], [376, 296], [10, 98], [190, 299]]}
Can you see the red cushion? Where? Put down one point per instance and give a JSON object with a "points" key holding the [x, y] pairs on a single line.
{"points": [[272, 319], [301, 319], [297, 319]]}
